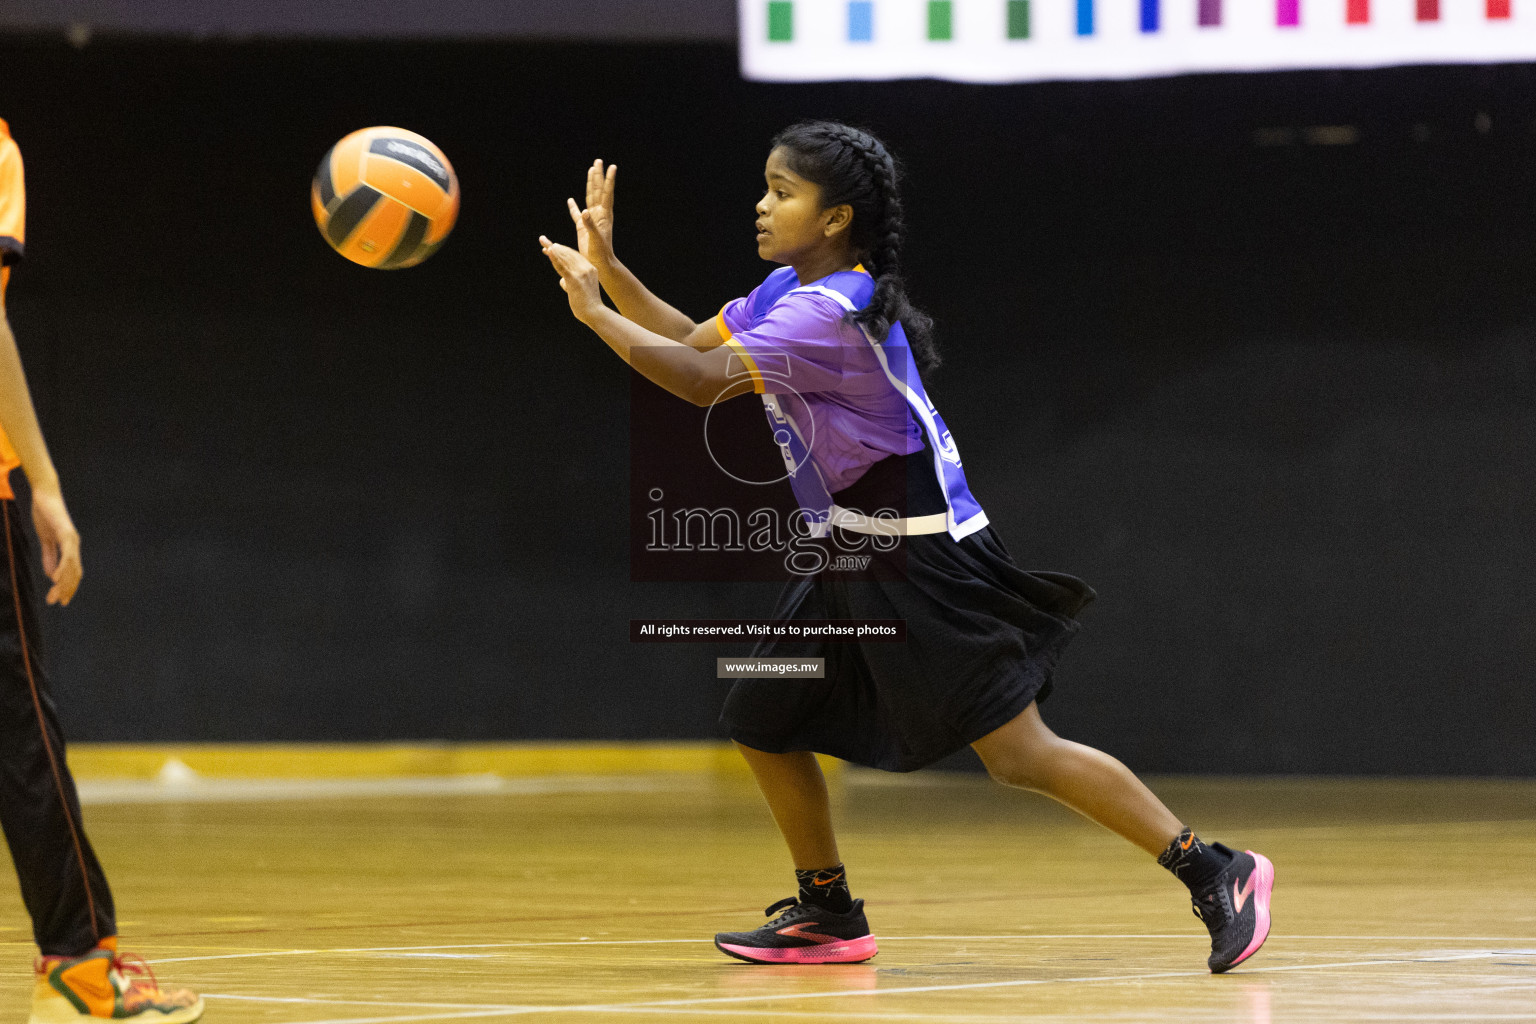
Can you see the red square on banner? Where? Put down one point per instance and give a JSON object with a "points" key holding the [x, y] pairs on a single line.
{"points": [[1429, 10], [1498, 9], [1358, 12]]}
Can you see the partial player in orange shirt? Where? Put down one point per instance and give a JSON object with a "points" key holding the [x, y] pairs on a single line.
{"points": [[80, 974]]}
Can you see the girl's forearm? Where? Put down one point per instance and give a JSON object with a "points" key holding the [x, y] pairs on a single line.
{"points": [[695, 376], [641, 306], [18, 416]]}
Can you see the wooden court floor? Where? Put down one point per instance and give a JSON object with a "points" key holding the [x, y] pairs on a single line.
{"points": [[594, 900]]}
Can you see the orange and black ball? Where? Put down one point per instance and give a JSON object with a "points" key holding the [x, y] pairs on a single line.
{"points": [[385, 198]]}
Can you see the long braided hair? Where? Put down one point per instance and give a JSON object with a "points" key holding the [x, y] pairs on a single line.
{"points": [[851, 166]]}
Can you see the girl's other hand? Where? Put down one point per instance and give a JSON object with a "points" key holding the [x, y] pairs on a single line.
{"points": [[60, 543], [577, 276], [594, 222]]}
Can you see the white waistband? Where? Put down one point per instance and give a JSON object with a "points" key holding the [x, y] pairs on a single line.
{"points": [[858, 522]]}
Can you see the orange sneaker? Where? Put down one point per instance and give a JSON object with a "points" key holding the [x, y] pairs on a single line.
{"points": [[106, 984]]}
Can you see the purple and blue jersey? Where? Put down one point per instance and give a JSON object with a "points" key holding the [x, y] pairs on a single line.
{"points": [[798, 348], [838, 402]]}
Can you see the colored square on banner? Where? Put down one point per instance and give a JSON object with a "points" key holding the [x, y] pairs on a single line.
{"points": [[1358, 12], [781, 21], [1151, 15], [1085, 17], [861, 21], [1288, 13], [1428, 10], [1498, 10], [941, 23], [1210, 13], [1018, 19]]}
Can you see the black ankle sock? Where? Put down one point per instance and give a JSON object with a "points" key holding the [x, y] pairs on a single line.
{"points": [[1192, 862], [826, 888]]}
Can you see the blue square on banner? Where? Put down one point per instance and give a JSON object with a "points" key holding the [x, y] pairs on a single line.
{"points": [[861, 21], [1085, 17]]}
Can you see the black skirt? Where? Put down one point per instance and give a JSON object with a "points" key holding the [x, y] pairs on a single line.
{"points": [[983, 637]]}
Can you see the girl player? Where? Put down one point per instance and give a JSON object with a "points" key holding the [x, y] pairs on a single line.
{"points": [[830, 339], [80, 974]]}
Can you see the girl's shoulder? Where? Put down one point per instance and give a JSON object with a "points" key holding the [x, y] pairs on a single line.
{"points": [[847, 289], [779, 283], [781, 297], [851, 289]]}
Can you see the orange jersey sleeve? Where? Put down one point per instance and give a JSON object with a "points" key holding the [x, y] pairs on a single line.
{"points": [[13, 206], [13, 220]]}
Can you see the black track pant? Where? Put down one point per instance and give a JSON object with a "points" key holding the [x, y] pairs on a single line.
{"points": [[61, 882]]}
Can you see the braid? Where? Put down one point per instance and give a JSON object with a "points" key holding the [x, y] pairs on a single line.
{"points": [[889, 303], [854, 167]]}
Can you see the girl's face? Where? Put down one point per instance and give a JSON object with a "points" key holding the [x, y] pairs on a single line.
{"points": [[792, 226]]}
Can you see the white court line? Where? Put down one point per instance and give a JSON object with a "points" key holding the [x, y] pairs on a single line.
{"points": [[971, 1018], [882, 938], [889, 1015], [395, 1019], [821, 1016], [413, 949], [371, 1002], [974, 1018], [1195, 934], [672, 1005]]}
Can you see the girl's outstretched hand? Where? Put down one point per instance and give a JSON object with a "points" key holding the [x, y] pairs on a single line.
{"points": [[594, 222], [577, 276]]}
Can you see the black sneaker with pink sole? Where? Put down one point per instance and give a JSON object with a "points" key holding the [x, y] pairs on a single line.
{"points": [[1235, 908], [803, 934]]}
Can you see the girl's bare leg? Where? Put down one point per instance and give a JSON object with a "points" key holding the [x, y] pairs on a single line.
{"points": [[796, 793], [1025, 753]]}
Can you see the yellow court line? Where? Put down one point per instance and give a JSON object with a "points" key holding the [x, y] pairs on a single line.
{"points": [[92, 761]]}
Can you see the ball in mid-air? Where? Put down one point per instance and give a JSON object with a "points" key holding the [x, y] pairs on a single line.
{"points": [[385, 198]]}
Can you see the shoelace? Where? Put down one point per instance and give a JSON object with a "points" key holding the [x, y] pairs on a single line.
{"points": [[133, 967], [791, 906], [1212, 907]]}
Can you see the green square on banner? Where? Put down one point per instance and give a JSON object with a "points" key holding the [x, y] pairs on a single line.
{"points": [[781, 21], [1018, 19], [941, 25]]}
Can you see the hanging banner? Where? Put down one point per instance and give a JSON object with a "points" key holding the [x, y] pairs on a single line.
{"points": [[1031, 40]]}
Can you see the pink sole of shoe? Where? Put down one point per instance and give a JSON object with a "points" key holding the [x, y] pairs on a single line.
{"points": [[1261, 891], [850, 952]]}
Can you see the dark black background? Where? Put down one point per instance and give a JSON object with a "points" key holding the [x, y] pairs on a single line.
{"points": [[1275, 402]]}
